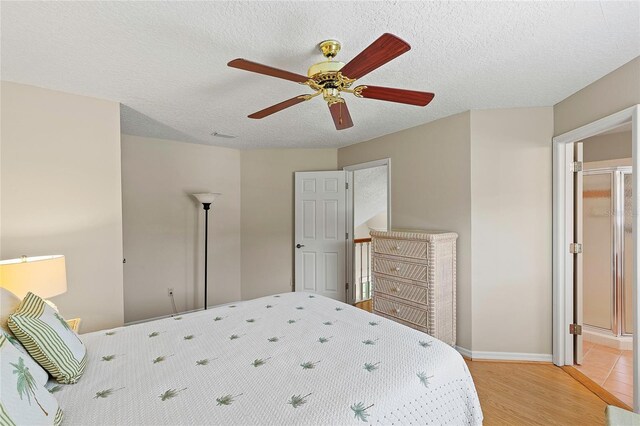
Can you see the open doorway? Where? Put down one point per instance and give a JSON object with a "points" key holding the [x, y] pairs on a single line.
{"points": [[569, 245], [604, 214], [368, 209]]}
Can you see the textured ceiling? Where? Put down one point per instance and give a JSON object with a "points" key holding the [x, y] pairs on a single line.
{"points": [[166, 61]]}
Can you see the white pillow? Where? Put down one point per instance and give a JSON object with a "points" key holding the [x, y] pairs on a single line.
{"points": [[8, 304], [23, 401], [37, 371]]}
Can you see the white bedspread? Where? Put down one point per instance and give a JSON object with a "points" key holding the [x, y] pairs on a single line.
{"points": [[293, 358]]}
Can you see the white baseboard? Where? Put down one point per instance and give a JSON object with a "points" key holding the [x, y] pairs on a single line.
{"points": [[464, 352], [503, 356], [607, 339]]}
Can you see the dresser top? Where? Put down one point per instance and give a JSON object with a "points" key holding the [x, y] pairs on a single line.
{"points": [[415, 234]]}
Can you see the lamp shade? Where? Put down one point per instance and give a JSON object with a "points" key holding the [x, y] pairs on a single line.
{"points": [[207, 197], [44, 276]]}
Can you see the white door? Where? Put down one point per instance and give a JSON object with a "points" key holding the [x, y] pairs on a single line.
{"points": [[320, 233]]}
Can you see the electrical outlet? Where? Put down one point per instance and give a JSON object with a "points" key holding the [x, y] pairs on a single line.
{"points": [[170, 292]]}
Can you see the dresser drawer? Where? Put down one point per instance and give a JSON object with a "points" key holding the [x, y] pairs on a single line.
{"points": [[401, 311], [411, 249], [399, 289], [396, 268]]}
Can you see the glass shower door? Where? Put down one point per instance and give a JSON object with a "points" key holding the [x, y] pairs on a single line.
{"points": [[627, 257], [598, 250], [608, 250]]}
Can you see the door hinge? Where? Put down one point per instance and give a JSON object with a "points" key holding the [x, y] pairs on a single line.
{"points": [[346, 286], [575, 329], [346, 235], [576, 166], [575, 248], [346, 185]]}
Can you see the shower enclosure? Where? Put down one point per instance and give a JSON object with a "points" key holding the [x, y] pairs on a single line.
{"points": [[607, 251]]}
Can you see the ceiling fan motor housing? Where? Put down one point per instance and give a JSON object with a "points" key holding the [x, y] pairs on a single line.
{"points": [[326, 75], [324, 68]]}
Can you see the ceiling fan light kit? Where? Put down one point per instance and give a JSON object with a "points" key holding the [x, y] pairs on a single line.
{"points": [[332, 78]]}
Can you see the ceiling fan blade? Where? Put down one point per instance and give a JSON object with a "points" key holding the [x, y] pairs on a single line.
{"points": [[279, 107], [381, 51], [341, 116], [243, 64], [411, 97]]}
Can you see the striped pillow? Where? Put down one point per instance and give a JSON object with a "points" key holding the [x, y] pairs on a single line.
{"points": [[48, 338], [23, 401]]}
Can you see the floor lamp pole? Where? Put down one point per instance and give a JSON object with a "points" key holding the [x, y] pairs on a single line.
{"points": [[206, 207], [206, 198]]}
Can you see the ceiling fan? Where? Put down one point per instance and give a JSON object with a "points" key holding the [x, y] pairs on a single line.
{"points": [[332, 78]]}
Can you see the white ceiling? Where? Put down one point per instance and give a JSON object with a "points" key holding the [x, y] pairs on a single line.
{"points": [[166, 61]]}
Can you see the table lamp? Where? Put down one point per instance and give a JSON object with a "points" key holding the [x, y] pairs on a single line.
{"points": [[44, 276]]}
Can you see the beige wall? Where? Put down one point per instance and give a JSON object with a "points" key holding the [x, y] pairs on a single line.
{"points": [[164, 225], [614, 92], [60, 189], [511, 219], [378, 222], [487, 176], [609, 146], [430, 189], [267, 215]]}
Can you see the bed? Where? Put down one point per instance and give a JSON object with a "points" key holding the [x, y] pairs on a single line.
{"points": [[292, 358]]}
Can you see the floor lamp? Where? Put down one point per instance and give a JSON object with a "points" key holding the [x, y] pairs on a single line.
{"points": [[206, 198]]}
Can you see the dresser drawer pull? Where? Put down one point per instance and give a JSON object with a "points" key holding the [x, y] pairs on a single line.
{"points": [[396, 289], [396, 248], [395, 311], [397, 269]]}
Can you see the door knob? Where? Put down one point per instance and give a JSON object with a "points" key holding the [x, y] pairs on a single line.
{"points": [[299, 245]]}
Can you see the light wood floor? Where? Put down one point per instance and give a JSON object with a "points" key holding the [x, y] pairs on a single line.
{"points": [[530, 394], [365, 304], [533, 394]]}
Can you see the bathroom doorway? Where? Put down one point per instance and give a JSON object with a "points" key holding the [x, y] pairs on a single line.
{"points": [[605, 221]]}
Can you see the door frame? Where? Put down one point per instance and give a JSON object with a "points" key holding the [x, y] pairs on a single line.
{"points": [[563, 217], [349, 211]]}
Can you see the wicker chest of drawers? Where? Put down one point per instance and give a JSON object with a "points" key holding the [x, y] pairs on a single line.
{"points": [[414, 280]]}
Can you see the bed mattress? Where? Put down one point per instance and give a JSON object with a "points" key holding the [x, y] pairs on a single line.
{"points": [[292, 358]]}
